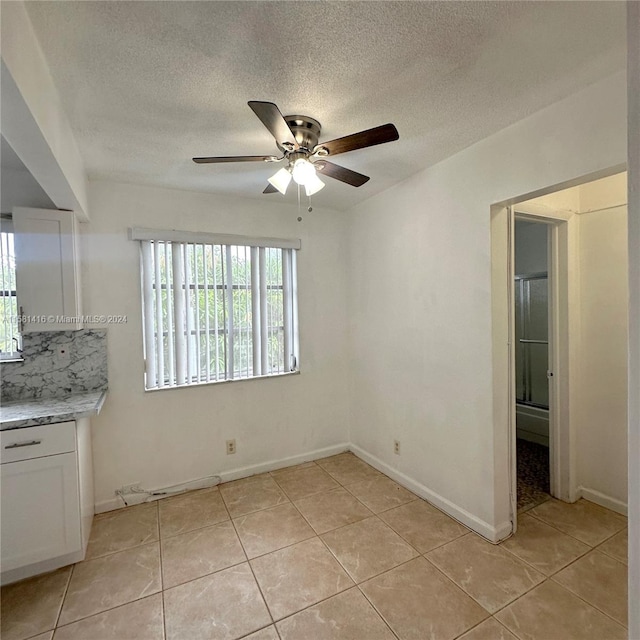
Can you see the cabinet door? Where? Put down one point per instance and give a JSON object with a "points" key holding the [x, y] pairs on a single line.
{"points": [[47, 269], [40, 510]]}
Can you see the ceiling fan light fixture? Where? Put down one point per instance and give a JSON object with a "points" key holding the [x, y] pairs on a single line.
{"points": [[313, 185], [303, 171], [280, 180]]}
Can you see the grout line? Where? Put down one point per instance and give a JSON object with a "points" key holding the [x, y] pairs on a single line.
{"points": [[64, 596], [205, 575], [466, 593], [553, 573], [591, 604], [373, 606], [118, 606], [164, 617], [253, 573], [553, 526], [475, 626]]}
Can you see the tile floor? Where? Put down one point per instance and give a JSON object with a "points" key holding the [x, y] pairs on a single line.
{"points": [[329, 550]]}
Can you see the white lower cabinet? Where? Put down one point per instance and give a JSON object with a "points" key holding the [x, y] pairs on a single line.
{"points": [[46, 498]]}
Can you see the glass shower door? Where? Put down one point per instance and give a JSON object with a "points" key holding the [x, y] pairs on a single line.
{"points": [[532, 340]]}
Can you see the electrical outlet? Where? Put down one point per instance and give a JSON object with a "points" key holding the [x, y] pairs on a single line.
{"points": [[231, 447], [396, 447]]}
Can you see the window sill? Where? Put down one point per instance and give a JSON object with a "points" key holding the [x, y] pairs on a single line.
{"points": [[270, 376], [11, 359]]}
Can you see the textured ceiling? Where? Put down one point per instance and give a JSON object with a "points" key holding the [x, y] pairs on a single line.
{"points": [[148, 85]]}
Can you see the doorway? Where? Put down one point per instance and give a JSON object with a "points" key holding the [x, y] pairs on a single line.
{"points": [[587, 304], [532, 371]]}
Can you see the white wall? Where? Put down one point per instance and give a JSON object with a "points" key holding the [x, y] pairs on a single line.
{"points": [[633, 95], [167, 437], [33, 120], [420, 301], [601, 434]]}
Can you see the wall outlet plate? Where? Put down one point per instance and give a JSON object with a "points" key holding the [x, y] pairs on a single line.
{"points": [[231, 447], [396, 447]]}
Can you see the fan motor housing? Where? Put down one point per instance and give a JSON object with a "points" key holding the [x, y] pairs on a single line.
{"points": [[305, 130]]}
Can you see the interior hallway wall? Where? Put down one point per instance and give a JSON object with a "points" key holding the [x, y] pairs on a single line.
{"points": [[420, 302], [161, 438], [601, 434], [633, 147]]}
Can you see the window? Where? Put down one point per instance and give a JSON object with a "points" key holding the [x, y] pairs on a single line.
{"points": [[9, 336], [220, 308]]}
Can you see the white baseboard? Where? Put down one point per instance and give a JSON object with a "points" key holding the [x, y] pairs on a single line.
{"points": [[493, 534], [603, 500], [244, 472]]}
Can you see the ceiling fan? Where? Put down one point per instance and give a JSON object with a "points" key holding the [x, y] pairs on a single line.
{"points": [[297, 138]]}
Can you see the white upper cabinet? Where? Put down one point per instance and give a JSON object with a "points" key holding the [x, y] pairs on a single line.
{"points": [[47, 269]]}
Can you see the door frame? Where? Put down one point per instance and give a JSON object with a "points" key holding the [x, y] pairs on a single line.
{"points": [[564, 335]]}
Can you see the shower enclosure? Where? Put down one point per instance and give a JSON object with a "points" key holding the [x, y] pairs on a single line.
{"points": [[532, 357]]}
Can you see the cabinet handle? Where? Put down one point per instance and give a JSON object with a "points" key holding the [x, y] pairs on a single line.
{"points": [[15, 445]]}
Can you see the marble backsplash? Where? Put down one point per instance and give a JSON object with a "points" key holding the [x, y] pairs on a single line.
{"points": [[56, 364]]}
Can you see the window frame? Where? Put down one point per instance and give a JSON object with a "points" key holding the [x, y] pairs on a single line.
{"points": [[177, 253]]}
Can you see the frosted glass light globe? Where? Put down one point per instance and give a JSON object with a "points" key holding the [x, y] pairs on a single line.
{"points": [[303, 171]]}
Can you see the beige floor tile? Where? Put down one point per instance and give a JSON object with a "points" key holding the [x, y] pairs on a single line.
{"points": [[333, 509], [123, 529], [43, 636], [543, 547], [296, 467], [601, 581], [298, 576], [300, 482], [271, 529], [347, 469], [423, 526], [617, 547], [489, 574], [107, 582], [550, 612], [139, 620], [268, 633], [222, 606], [368, 548], [197, 553], [252, 494], [193, 510], [583, 520], [490, 629], [347, 616], [418, 602], [32, 606], [381, 494]]}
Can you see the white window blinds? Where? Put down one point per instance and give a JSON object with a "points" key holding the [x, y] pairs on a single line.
{"points": [[215, 312]]}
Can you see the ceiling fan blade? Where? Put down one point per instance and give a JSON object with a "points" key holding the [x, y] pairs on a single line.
{"points": [[235, 159], [343, 174], [270, 189], [369, 138], [271, 118]]}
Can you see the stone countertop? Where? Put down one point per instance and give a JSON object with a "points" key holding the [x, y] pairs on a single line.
{"points": [[39, 411]]}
